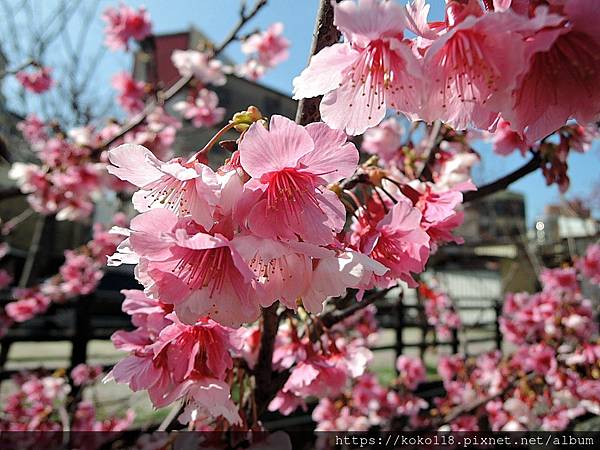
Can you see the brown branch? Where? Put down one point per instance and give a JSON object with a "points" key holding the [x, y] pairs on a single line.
{"points": [[502, 183], [263, 372], [10, 193], [325, 34], [426, 173], [331, 318], [162, 97], [472, 406]]}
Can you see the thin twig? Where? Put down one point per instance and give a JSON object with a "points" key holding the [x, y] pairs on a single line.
{"points": [[502, 183], [430, 151], [331, 318], [173, 413], [263, 372], [33, 251], [183, 81]]}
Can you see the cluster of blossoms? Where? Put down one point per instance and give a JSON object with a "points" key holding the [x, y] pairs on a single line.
{"points": [[532, 65], [589, 265], [549, 380], [439, 310], [78, 275], [264, 50], [40, 404], [124, 23], [67, 180], [131, 92], [201, 105], [37, 81]]}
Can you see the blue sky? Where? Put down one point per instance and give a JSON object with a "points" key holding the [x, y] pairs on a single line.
{"points": [[215, 19]]}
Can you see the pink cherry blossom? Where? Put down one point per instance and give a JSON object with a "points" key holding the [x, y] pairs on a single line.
{"points": [[131, 92], [471, 66], [200, 273], [371, 71], [562, 77], [559, 279], [411, 370], [250, 69], [290, 166], [80, 274], [186, 188], [29, 303], [282, 271], [124, 23], [83, 374], [395, 240], [199, 65], [589, 265], [384, 140], [33, 129], [505, 140], [37, 81], [202, 110], [270, 46]]}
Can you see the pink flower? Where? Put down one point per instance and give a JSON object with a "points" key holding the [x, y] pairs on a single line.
{"points": [[84, 374], [472, 66], [373, 70], [590, 264], [205, 346], [505, 140], [384, 140], [33, 129], [80, 274], [559, 279], [200, 66], [131, 92], [38, 81], [396, 240], [202, 110], [29, 304], [200, 273], [283, 272], [250, 69], [270, 47], [316, 377], [290, 166], [562, 77], [335, 273], [186, 188], [124, 23], [412, 371]]}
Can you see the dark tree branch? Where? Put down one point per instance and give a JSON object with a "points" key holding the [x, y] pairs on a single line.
{"points": [[502, 183], [10, 193], [331, 318], [325, 34], [430, 150], [263, 372]]}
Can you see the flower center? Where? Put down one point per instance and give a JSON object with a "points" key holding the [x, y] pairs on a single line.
{"points": [[467, 73], [171, 193], [291, 192], [204, 268]]}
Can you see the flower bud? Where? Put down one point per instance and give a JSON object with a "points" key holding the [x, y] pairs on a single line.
{"points": [[243, 119]]}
